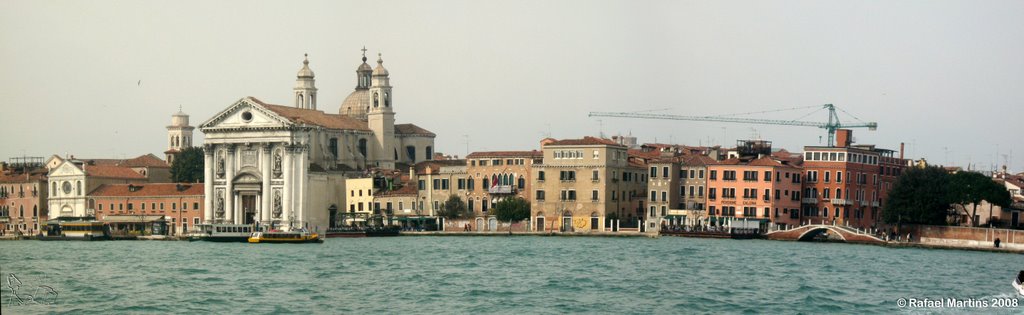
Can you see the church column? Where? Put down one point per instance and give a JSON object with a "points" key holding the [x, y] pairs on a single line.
{"points": [[208, 184], [229, 194], [265, 196], [301, 185], [289, 182]]}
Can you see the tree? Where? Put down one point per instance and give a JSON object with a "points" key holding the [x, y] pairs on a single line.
{"points": [[920, 195], [453, 208], [997, 195], [188, 166], [512, 210]]}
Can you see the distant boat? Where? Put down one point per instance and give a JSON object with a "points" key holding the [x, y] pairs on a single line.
{"points": [[300, 236], [1017, 283], [362, 232], [225, 232]]}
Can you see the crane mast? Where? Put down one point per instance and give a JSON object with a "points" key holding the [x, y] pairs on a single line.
{"points": [[831, 126]]}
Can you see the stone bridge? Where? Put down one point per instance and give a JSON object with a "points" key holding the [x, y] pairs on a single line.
{"points": [[808, 232]]}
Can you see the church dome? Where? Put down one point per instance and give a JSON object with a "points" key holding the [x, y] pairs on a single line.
{"points": [[356, 104], [305, 72]]}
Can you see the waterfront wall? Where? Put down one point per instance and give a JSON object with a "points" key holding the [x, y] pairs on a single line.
{"points": [[966, 237]]}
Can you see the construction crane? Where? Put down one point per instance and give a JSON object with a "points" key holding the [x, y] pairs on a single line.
{"points": [[831, 126]]}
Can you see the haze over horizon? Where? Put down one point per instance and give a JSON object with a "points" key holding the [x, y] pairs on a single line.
{"points": [[101, 79]]}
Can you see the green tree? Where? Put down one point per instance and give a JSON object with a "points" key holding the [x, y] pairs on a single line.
{"points": [[453, 208], [512, 210], [970, 188], [920, 195], [188, 166]]}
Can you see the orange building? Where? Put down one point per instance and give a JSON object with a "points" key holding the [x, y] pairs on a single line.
{"points": [[754, 186], [23, 207], [848, 184], [180, 204]]}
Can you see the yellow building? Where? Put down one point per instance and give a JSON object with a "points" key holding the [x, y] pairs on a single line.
{"points": [[582, 182], [358, 201]]}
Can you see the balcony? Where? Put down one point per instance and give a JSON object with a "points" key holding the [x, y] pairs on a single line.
{"points": [[875, 204], [810, 201], [841, 202], [501, 189]]}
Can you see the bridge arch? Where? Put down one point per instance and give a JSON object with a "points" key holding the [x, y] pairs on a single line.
{"points": [[813, 231]]}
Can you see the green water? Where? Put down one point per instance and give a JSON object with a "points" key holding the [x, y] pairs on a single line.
{"points": [[668, 275]]}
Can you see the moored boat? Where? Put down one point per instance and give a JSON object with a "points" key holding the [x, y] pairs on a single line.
{"points": [[300, 236], [76, 230], [345, 232], [226, 232]]}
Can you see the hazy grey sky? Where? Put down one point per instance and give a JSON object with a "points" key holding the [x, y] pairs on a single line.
{"points": [[943, 76]]}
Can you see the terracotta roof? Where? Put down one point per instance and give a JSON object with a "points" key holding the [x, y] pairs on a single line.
{"points": [[699, 160], [112, 172], [315, 117], [410, 129], [643, 154], [482, 154], [586, 141], [143, 190], [406, 190], [762, 161], [32, 176], [148, 160]]}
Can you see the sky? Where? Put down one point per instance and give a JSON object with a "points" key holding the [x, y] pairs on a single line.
{"points": [[101, 79]]}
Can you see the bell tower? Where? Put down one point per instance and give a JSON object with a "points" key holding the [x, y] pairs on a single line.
{"points": [[381, 117], [179, 135], [305, 87]]}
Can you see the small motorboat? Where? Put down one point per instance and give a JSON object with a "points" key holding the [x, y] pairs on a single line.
{"points": [[298, 236], [1017, 283]]}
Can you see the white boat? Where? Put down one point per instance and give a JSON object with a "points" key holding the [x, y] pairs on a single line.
{"points": [[225, 232], [1017, 283]]}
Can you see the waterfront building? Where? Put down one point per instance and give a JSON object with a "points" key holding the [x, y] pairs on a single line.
{"points": [[286, 166], [179, 135], [177, 206], [494, 176], [663, 180], [754, 186], [398, 201], [847, 184], [359, 194], [23, 195], [693, 181], [71, 179], [583, 182]]}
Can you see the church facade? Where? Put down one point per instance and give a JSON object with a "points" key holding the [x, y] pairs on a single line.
{"points": [[285, 166]]}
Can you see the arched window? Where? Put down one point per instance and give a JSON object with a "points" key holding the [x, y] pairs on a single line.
{"points": [[411, 152], [522, 182], [53, 191], [376, 100], [78, 188], [301, 101], [21, 211], [387, 99], [35, 211], [430, 153]]}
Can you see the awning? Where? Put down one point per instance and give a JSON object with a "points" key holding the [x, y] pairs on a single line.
{"points": [[133, 219]]}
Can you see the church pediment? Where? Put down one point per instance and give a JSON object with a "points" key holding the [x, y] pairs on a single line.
{"points": [[66, 169], [246, 113]]}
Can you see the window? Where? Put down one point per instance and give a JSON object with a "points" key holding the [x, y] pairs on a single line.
{"points": [[654, 171], [767, 176], [593, 195], [682, 191], [142, 204], [469, 184], [540, 175], [487, 183], [729, 175], [596, 154], [461, 183], [692, 172], [130, 206], [839, 176], [540, 195], [711, 193], [750, 175], [654, 196], [664, 196], [567, 175], [664, 172], [595, 177], [436, 184], [522, 183], [713, 175], [572, 195], [767, 194], [827, 173], [421, 185], [195, 221]]}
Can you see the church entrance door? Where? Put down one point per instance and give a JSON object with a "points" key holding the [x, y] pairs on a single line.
{"points": [[248, 208]]}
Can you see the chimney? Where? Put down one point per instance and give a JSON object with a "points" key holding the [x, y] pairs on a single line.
{"points": [[844, 137], [901, 150]]}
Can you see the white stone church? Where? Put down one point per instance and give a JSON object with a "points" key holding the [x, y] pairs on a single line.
{"points": [[286, 165]]}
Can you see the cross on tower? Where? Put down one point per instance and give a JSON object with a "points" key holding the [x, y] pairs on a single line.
{"points": [[364, 51]]}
